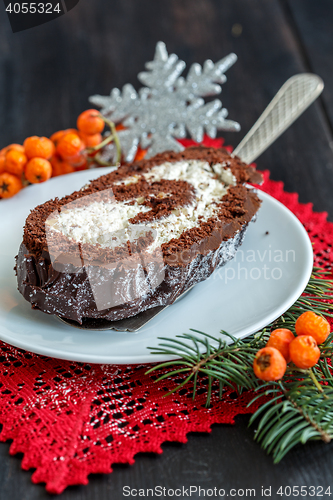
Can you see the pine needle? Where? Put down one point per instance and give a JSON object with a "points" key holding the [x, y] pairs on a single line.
{"points": [[300, 406]]}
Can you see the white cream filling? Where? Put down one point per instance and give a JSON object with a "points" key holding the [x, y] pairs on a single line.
{"points": [[107, 223]]}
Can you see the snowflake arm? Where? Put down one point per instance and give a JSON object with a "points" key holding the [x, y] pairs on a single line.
{"points": [[169, 105]]}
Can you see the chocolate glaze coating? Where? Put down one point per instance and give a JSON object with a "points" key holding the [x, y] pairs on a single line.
{"points": [[66, 291]]}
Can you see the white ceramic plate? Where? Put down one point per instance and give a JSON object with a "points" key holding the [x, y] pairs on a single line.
{"points": [[268, 274]]}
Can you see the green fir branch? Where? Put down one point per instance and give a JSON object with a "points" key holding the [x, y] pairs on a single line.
{"points": [[229, 364], [296, 413], [300, 406]]}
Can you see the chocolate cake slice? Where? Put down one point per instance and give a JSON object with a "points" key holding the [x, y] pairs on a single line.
{"points": [[137, 237]]}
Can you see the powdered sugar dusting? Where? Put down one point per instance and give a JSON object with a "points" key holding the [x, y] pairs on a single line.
{"points": [[96, 223]]}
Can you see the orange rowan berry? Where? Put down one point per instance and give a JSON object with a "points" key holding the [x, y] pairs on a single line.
{"points": [[60, 167], [2, 162], [72, 131], [78, 160], [69, 145], [304, 351], [269, 364], [280, 339], [38, 170], [55, 138], [40, 147], [140, 154], [9, 185], [90, 122], [15, 162], [310, 323], [91, 140], [16, 147]]}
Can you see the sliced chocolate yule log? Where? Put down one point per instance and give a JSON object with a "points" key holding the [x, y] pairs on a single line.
{"points": [[137, 237]]}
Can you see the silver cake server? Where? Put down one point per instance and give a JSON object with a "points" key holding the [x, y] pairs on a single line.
{"points": [[293, 98]]}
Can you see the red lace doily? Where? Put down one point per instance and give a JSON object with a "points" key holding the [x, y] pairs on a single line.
{"points": [[73, 419]]}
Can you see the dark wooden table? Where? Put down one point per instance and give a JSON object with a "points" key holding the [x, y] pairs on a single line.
{"points": [[46, 76]]}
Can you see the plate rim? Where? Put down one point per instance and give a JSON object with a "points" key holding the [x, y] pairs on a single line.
{"points": [[149, 358]]}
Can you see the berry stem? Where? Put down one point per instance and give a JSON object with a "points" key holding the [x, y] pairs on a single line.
{"points": [[316, 383], [101, 145], [98, 159], [115, 138]]}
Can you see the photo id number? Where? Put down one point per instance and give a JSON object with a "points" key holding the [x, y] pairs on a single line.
{"points": [[33, 8]]}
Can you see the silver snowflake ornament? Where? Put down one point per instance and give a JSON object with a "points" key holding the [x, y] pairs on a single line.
{"points": [[169, 106]]}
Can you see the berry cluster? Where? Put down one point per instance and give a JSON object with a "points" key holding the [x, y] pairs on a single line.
{"points": [[41, 158], [282, 347]]}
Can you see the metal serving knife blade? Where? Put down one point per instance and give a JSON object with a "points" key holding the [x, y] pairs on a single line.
{"points": [[293, 98], [132, 324]]}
